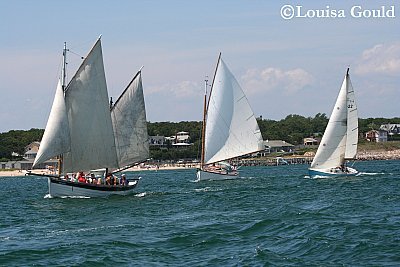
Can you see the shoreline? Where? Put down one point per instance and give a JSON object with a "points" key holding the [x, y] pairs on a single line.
{"points": [[361, 156], [12, 173]]}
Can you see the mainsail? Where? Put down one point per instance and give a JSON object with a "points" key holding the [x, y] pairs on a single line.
{"points": [[130, 125], [92, 137], [341, 134], [231, 127]]}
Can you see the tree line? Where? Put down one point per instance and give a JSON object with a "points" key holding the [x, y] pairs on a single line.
{"points": [[291, 129]]}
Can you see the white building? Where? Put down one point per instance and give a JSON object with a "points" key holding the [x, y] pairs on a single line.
{"points": [[180, 139], [273, 146], [391, 129]]}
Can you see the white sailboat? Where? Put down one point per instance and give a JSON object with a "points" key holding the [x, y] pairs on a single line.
{"points": [[88, 133], [339, 142], [230, 129]]}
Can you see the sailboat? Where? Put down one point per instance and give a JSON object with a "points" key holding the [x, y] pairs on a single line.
{"points": [[230, 129], [91, 135], [339, 142]]}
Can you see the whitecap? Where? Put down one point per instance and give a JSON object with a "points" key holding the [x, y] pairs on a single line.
{"points": [[141, 194], [79, 197], [371, 173], [205, 189]]}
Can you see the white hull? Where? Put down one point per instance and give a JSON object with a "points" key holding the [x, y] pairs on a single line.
{"points": [[206, 175], [332, 172], [59, 188]]}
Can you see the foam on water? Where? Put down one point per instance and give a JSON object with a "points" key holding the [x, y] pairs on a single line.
{"points": [[141, 194], [372, 173]]}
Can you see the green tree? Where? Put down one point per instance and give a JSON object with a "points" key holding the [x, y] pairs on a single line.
{"points": [[17, 140]]}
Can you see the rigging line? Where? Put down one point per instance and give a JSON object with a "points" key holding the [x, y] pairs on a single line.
{"points": [[76, 54], [59, 72], [84, 44]]}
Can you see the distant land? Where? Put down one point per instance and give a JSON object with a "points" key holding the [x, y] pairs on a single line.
{"points": [[292, 129]]}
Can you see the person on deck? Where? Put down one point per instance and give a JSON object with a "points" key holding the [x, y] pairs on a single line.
{"points": [[108, 179], [123, 180], [81, 177]]}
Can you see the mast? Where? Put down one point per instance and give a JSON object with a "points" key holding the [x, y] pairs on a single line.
{"points": [[203, 139], [64, 73], [63, 78], [204, 124], [215, 72]]}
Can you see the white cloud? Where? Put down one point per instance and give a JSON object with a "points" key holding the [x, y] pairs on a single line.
{"points": [[291, 81], [382, 59], [187, 89], [183, 89]]}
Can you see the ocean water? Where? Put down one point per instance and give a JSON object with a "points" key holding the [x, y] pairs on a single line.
{"points": [[271, 216]]}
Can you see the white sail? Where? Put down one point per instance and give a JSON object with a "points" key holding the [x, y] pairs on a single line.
{"points": [[352, 122], [231, 127], [130, 125], [91, 132], [56, 139], [342, 129]]}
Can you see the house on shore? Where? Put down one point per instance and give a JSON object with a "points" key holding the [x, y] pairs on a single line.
{"points": [[274, 146], [27, 160], [311, 141], [156, 140], [377, 136], [179, 140], [392, 129]]}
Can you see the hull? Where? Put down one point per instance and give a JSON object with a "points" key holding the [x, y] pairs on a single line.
{"points": [[62, 188], [332, 172], [208, 175]]}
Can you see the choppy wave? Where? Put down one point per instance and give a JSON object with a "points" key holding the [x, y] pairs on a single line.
{"points": [[273, 218]]}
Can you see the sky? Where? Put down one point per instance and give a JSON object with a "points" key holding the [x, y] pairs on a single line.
{"points": [[284, 65]]}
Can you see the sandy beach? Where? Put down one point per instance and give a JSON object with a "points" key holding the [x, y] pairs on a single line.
{"points": [[164, 167], [362, 155], [6, 173], [12, 173]]}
